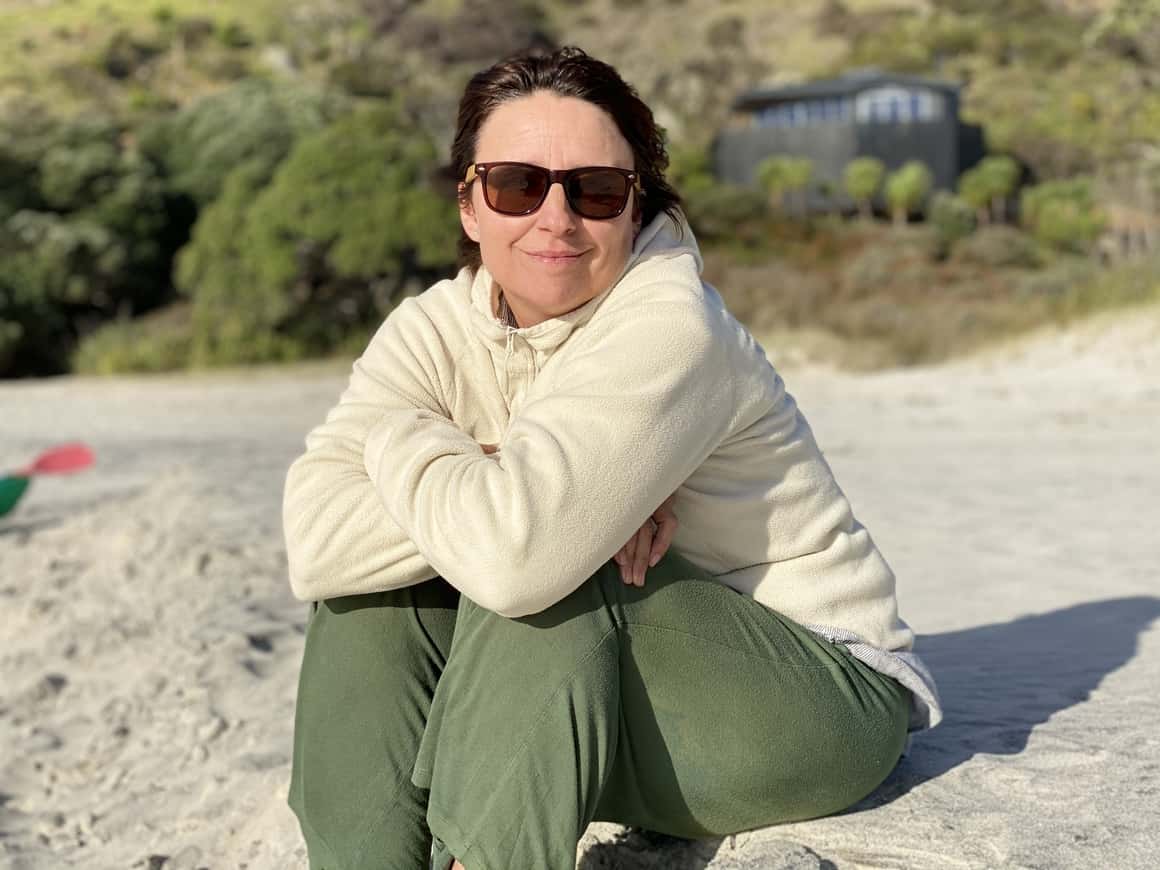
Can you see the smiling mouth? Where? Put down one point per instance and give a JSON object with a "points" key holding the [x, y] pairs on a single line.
{"points": [[553, 256]]}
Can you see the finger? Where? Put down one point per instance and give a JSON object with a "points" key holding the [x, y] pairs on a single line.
{"points": [[666, 529], [640, 558], [629, 555], [621, 558]]}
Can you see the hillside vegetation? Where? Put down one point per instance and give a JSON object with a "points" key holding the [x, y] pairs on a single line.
{"points": [[172, 186]]}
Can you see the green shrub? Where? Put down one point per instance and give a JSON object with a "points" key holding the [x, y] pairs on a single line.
{"points": [[952, 219], [125, 53], [86, 234], [231, 34], [727, 211], [907, 189], [253, 121], [193, 31], [1056, 280], [157, 342], [285, 269], [690, 170], [861, 179], [784, 178], [998, 246], [898, 263], [1063, 214]]}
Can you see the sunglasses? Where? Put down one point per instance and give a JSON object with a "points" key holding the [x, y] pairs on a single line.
{"points": [[594, 192]]}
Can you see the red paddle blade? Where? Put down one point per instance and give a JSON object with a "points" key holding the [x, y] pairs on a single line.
{"points": [[62, 459]]}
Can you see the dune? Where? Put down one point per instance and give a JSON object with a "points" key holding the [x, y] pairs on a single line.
{"points": [[150, 645]]}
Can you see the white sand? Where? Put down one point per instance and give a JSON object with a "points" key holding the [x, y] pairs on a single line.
{"points": [[149, 644]]}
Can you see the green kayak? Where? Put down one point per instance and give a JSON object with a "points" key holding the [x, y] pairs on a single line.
{"points": [[11, 489]]}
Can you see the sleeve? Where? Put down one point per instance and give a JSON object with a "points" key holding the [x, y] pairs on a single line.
{"points": [[628, 419], [339, 538]]}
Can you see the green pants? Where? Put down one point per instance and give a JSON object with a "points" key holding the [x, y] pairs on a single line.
{"points": [[683, 707]]}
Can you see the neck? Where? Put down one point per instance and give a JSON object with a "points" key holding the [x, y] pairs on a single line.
{"points": [[505, 313]]}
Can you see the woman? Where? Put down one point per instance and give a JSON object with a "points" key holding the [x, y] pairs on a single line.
{"points": [[487, 666]]}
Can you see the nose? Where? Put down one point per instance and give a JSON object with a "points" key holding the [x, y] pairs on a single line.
{"points": [[556, 214]]}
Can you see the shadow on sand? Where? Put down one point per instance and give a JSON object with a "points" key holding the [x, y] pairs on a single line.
{"points": [[997, 682]]}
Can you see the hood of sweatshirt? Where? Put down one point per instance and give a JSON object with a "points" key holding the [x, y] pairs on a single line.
{"points": [[662, 239]]}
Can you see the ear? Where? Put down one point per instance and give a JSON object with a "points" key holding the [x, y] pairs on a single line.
{"points": [[467, 214]]}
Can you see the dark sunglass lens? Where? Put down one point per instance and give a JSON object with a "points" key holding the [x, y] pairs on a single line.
{"points": [[515, 189], [599, 193]]}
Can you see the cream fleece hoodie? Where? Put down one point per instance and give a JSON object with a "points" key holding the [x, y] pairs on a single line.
{"points": [[650, 388]]}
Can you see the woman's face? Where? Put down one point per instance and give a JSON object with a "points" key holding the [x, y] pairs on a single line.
{"points": [[550, 261]]}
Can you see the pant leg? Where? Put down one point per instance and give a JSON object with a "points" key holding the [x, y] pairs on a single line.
{"points": [[369, 669], [682, 706], [734, 717], [521, 733]]}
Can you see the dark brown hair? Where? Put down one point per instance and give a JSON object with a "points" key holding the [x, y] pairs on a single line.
{"points": [[568, 72]]}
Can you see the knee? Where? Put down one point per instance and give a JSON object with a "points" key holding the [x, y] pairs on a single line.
{"points": [[586, 598]]}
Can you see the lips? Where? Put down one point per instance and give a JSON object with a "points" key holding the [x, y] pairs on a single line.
{"points": [[555, 255]]}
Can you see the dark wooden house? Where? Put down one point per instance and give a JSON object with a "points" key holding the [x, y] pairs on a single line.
{"points": [[890, 116]]}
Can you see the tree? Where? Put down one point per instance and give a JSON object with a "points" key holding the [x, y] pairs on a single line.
{"points": [[782, 177], [975, 190], [255, 120], [907, 188], [772, 176], [862, 178], [1063, 214], [1000, 175], [799, 172], [952, 218], [86, 234], [347, 220]]}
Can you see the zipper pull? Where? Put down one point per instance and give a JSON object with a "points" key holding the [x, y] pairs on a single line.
{"points": [[511, 334]]}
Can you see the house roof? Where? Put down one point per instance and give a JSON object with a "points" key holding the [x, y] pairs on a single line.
{"points": [[850, 83]]}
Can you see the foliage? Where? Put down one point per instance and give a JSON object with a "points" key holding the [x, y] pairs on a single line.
{"points": [[902, 256], [1128, 28], [907, 188], [157, 342], [1063, 214], [975, 191], [86, 231], [727, 212], [690, 170], [998, 246], [952, 218], [346, 221], [124, 53], [781, 176], [988, 186], [253, 121], [861, 179]]}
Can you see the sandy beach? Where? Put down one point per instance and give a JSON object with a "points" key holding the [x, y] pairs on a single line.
{"points": [[150, 645]]}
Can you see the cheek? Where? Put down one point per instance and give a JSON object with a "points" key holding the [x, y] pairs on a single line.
{"points": [[618, 241]]}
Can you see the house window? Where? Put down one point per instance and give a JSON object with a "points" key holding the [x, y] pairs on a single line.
{"points": [[803, 113], [897, 105], [835, 109]]}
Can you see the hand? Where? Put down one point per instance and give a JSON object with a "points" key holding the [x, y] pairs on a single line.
{"points": [[490, 448], [648, 545]]}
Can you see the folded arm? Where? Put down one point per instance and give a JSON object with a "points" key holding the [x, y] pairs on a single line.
{"points": [[339, 538], [627, 420]]}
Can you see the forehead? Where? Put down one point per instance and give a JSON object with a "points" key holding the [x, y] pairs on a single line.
{"points": [[553, 131]]}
